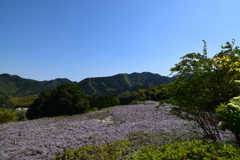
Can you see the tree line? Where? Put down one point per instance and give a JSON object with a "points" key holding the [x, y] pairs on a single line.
{"points": [[155, 93], [9, 102], [103, 101], [67, 99]]}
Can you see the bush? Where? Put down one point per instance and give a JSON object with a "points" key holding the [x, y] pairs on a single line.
{"points": [[21, 114], [66, 99], [103, 101], [7, 115], [188, 150], [114, 150], [94, 109], [135, 102]]}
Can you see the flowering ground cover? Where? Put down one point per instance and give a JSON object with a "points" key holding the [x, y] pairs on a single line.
{"points": [[43, 138]]}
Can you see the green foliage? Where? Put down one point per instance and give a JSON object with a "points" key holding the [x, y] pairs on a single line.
{"points": [[157, 139], [125, 94], [21, 115], [10, 102], [153, 93], [23, 102], [7, 115], [66, 99], [230, 115], [135, 102], [142, 94], [94, 109], [204, 90], [188, 150], [5, 102], [103, 101], [118, 84], [134, 96], [156, 93], [159, 145], [124, 101], [230, 61], [112, 151]]}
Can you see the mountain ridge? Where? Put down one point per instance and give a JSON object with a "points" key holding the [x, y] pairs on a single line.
{"points": [[14, 85]]}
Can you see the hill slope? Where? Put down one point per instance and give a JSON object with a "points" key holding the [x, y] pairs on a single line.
{"points": [[13, 85], [121, 83]]}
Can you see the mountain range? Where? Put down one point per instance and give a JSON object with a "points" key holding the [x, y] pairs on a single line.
{"points": [[14, 85]]}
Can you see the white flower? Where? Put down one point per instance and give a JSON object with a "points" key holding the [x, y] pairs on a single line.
{"points": [[231, 104], [234, 106], [220, 125], [236, 98], [237, 81]]}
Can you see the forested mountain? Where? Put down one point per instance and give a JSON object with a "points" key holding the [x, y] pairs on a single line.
{"points": [[121, 82], [13, 85]]}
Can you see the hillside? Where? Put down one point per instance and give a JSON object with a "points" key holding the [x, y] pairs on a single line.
{"points": [[13, 85], [121, 82]]}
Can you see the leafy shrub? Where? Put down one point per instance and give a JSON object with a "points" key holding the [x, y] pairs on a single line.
{"points": [[103, 101], [157, 139], [21, 114], [113, 150], [7, 115], [134, 96], [94, 109], [188, 150], [135, 102]]}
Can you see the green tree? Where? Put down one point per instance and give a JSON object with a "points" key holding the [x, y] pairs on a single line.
{"points": [[7, 115], [41, 107], [124, 101], [198, 95], [20, 114], [93, 101], [142, 94], [117, 101], [66, 99], [156, 93], [102, 101], [134, 96], [230, 61], [5, 102]]}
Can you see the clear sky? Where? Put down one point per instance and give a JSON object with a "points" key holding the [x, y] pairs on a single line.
{"points": [[78, 39]]}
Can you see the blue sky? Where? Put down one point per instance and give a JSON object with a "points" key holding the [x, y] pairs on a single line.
{"points": [[78, 39]]}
